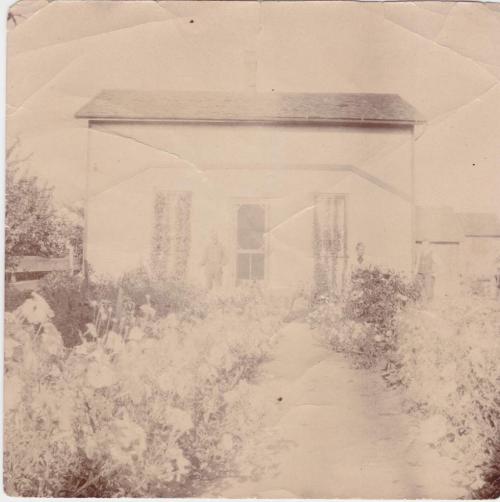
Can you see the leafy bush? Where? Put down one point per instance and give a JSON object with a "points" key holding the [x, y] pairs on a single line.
{"points": [[490, 489], [160, 410], [166, 295], [14, 297], [34, 225], [362, 321], [447, 360], [65, 294], [74, 307], [376, 296]]}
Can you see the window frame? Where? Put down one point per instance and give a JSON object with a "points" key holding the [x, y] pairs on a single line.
{"points": [[264, 250]]}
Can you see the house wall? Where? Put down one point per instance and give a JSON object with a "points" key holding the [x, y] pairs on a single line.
{"points": [[479, 255], [446, 266], [282, 166]]}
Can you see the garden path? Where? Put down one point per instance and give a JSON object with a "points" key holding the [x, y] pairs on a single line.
{"points": [[345, 432]]}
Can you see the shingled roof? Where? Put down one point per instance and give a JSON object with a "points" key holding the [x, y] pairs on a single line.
{"points": [[480, 224], [249, 107]]}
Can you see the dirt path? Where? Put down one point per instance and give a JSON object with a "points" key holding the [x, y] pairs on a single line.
{"points": [[346, 434]]}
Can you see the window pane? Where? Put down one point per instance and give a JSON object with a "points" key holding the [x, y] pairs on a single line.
{"points": [[243, 266], [251, 226], [257, 266]]}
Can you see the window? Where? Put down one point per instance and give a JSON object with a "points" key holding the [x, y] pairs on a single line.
{"points": [[250, 242]]}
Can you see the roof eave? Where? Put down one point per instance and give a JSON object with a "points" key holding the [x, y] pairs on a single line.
{"points": [[263, 121]]}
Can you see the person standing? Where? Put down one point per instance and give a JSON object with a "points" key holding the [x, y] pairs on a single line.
{"points": [[361, 260], [214, 261], [425, 271]]}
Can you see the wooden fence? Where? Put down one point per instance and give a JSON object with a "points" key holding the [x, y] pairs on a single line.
{"points": [[30, 269]]}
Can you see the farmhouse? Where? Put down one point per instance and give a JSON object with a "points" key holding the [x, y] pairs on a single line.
{"points": [[286, 185]]}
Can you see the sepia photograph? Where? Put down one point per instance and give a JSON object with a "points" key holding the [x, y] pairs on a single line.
{"points": [[252, 250]]}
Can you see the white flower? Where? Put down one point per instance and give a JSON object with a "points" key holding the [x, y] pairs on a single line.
{"points": [[34, 310], [91, 330], [147, 311], [51, 340], [181, 463], [128, 440], [114, 341], [102, 313]]}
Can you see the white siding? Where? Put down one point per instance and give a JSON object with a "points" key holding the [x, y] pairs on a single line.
{"points": [[283, 166]]}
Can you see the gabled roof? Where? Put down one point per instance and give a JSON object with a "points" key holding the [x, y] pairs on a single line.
{"points": [[438, 224], [480, 224], [249, 107]]}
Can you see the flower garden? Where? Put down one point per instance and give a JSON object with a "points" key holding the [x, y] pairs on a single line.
{"points": [[142, 406], [153, 394]]}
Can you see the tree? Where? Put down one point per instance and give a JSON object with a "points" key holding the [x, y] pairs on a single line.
{"points": [[33, 224]]}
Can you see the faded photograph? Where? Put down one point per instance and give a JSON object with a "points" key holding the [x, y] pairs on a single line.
{"points": [[252, 250]]}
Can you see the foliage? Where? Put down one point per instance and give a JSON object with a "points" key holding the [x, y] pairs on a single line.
{"points": [[362, 321], [490, 489], [74, 309], [33, 225], [171, 240], [65, 294], [166, 295], [14, 297], [328, 243], [447, 360], [159, 410], [376, 296]]}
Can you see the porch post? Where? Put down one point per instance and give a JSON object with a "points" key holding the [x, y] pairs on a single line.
{"points": [[413, 205], [85, 263]]}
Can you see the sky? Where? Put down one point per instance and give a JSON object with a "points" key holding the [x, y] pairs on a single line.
{"points": [[442, 57]]}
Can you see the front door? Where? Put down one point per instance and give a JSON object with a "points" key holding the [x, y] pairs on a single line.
{"points": [[250, 242]]}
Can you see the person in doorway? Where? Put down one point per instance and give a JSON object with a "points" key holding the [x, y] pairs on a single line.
{"points": [[425, 271], [360, 260], [360, 255], [497, 282], [214, 261]]}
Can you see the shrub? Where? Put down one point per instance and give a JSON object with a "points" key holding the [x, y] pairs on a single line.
{"points": [[65, 294], [14, 297], [376, 296], [34, 225], [490, 489], [74, 307], [166, 295], [447, 360], [362, 321], [161, 411]]}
